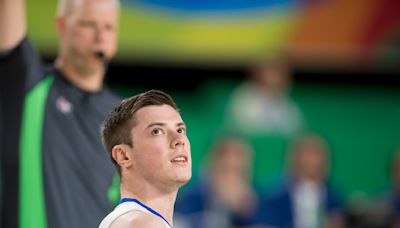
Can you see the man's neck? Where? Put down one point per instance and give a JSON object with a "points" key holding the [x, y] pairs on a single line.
{"points": [[160, 201], [90, 82]]}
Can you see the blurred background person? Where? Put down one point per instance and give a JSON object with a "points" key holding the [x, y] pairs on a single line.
{"points": [[55, 170], [394, 195], [305, 199], [224, 197], [261, 105], [381, 211]]}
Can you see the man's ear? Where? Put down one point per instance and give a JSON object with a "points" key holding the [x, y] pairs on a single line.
{"points": [[60, 26], [121, 153]]}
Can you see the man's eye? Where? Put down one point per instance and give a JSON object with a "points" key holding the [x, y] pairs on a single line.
{"points": [[87, 24], [110, 27], [156, 131], [181, 130]]}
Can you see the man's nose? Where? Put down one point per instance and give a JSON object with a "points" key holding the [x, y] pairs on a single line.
{"points": [[179, 140], [100, 34]]}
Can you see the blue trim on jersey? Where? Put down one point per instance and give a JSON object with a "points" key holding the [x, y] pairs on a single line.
{"points": [[123, 200]]}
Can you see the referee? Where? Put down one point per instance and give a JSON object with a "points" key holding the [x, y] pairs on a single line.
{"points": [[55, 172]]}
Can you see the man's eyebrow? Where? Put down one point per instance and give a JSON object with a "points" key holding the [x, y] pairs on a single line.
{"points": [[181, 124], [155, 124], [163, 124]]}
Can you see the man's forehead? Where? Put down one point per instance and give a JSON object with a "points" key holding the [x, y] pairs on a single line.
{"points": [[83, 8], [157, 113]]}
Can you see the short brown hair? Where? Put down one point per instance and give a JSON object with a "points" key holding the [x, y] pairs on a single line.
{"points": [[118, 124]]}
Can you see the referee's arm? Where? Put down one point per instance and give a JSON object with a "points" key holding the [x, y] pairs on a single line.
{"points": [[12, 23]]}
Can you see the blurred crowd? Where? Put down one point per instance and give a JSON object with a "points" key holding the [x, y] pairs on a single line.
{"points": [[304, 196]]}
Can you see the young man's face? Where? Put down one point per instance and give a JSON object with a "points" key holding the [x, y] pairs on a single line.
{"points": [[161, 149], [90, 27]]}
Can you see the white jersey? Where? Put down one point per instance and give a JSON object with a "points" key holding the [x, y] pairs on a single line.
{"points": [[126, 205]]}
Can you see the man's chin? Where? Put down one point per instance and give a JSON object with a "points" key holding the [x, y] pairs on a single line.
{"points": [[184, 179]]}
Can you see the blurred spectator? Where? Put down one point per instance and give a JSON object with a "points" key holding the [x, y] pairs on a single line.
{"points": [[224, 197], [382, 212], [363, 211], [394, 197], [396, 184], [305, 200], [261, 105]]}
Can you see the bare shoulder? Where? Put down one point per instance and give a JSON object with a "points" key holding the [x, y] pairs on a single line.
{"points": [[134, 219]]}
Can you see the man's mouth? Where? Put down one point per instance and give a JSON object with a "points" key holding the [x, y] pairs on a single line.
{"points": [[179, 159]]}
